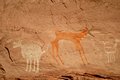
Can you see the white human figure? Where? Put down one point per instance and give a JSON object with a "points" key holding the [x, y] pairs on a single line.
{"points": [[32, 53], [110, 49]]}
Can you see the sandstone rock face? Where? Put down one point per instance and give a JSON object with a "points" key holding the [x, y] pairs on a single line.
{"points": [[31, 32]]}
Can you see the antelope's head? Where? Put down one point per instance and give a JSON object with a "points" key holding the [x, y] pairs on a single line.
{"points": [[86, 31]]}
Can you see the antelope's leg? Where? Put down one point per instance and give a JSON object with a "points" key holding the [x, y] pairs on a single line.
{"points": [[57, 52], [78, 48], [82, 50], [27, 64], [53, 51]]}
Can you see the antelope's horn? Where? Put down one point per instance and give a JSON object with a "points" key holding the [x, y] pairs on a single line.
{"points": [[91, 28], [90, 32]]}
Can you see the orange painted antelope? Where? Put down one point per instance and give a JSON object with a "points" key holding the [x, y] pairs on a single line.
{"points": [[75, 37]]}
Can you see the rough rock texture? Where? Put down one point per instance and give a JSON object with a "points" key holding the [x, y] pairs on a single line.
{"points": [[36, 21]]}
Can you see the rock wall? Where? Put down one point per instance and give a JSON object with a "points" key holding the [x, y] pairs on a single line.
{"points": [[27, 28]]}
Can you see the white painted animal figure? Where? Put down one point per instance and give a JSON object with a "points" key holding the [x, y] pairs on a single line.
{"points": [[32, 53]]}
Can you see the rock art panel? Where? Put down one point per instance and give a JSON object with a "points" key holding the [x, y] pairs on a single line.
{"points": [[30, 19]]}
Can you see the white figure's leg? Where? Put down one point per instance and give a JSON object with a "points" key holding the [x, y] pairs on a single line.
{"points": [[34, 66], [30, 65], [37, 65], [113, 57], [108, 57], [27, 64]]}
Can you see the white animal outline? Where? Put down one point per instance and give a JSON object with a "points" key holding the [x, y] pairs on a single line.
{"points": [[30, 56]]}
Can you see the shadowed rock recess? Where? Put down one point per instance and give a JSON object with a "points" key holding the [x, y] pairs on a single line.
{"points": [[59, 39]]}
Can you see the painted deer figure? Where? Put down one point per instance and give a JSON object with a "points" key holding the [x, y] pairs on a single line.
{"points": [[75, 37], [32, 53]]}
